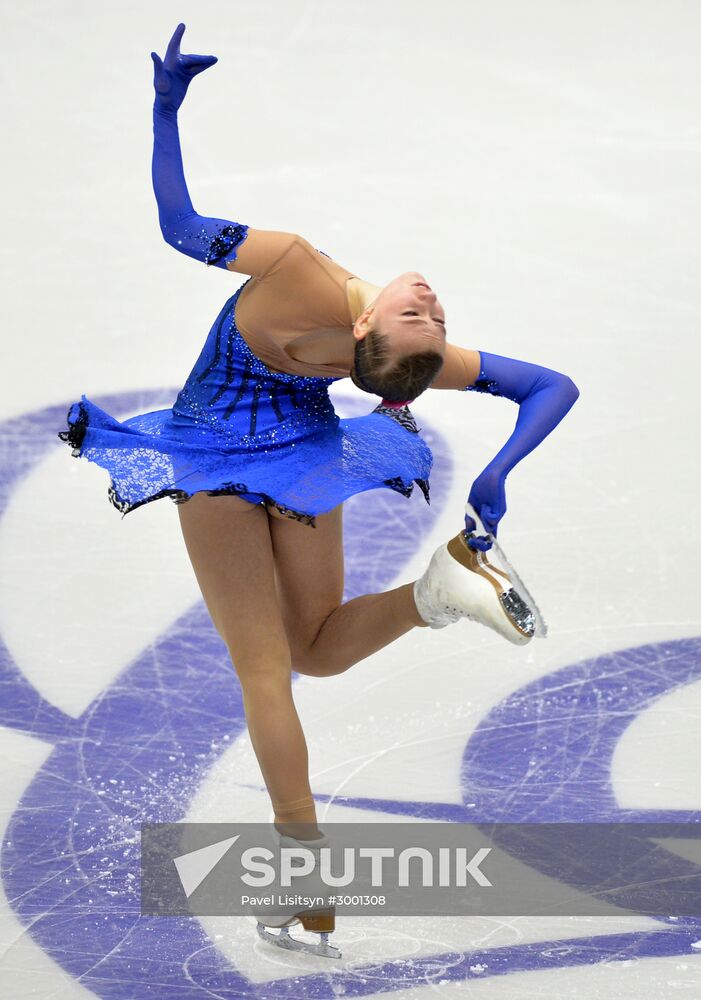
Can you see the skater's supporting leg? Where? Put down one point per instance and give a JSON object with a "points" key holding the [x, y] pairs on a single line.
{"points": [[228, 542], [325, 636]]}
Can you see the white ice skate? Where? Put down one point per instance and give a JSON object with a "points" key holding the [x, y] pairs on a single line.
{"points": [[461, 582], [319, 917]]}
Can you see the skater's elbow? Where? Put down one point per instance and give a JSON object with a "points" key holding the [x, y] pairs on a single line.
{"points": [[569, 391], [168, 233], [571, 388], [171, 236], [561, 387], [177, 229]]}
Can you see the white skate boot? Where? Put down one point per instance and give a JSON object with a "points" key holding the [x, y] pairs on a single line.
{"points": [[461, 582], [310, 906]]}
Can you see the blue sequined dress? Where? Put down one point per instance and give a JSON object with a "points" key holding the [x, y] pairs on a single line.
{"points": [[237, 427]]}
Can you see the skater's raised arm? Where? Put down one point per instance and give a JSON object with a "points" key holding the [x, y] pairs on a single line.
{"points": [[229, 245], [544, 397]]}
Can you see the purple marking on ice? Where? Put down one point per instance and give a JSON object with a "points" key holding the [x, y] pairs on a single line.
{"points": [[140, 752]]}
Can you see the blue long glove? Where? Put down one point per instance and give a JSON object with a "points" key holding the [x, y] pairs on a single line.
{"points": [[210, 240], [544, 397]]}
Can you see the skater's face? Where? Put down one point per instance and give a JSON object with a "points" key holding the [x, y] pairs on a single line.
{"points": [[408, 312]]}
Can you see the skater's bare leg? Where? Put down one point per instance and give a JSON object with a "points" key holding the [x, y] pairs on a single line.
{"points": [[228, 542], [360, 627], [325, 636]]}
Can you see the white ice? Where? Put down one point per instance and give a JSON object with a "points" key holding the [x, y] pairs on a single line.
{"points": [[539, 163]]}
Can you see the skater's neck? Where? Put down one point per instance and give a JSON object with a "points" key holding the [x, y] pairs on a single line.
{"points": [[361, 294]]}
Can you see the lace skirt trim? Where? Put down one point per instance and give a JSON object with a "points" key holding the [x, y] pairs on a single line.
{"points": [[77, 425]]}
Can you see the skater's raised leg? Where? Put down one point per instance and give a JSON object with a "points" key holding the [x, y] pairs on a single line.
{"points": [[325, 635]]}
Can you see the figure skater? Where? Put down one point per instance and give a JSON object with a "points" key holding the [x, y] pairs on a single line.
{"points": [[259, 464]]}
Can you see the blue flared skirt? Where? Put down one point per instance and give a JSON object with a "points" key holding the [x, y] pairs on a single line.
{"points": [[238, 428]]}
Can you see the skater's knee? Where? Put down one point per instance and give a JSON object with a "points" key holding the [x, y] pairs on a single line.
{"points": [[258, 650], [265, 674], [307, 656], [313, 665]]}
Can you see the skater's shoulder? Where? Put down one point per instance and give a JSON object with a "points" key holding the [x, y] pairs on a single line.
{"points": [[265, 253], [461, 368]]}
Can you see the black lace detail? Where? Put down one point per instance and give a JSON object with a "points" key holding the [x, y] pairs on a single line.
{"points": [[75, 434], [293, 514], [397, 484], [231, 489], [178, 496], [402, 415], [424, 486], [228, 489], [227, 240], [484, 385]]}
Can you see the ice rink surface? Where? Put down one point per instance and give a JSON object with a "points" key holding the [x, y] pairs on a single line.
{"points": [[539, 163]]}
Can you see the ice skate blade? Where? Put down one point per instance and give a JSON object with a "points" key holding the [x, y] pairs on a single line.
{"points": [[520, 619], [522, 604], [285, 941]]}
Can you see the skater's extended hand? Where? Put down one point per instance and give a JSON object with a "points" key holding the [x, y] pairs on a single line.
{"points": [[488, 497], [172, 76]]}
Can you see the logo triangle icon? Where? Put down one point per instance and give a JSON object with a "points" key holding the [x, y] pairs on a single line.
{"points": [[194, 867]]}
